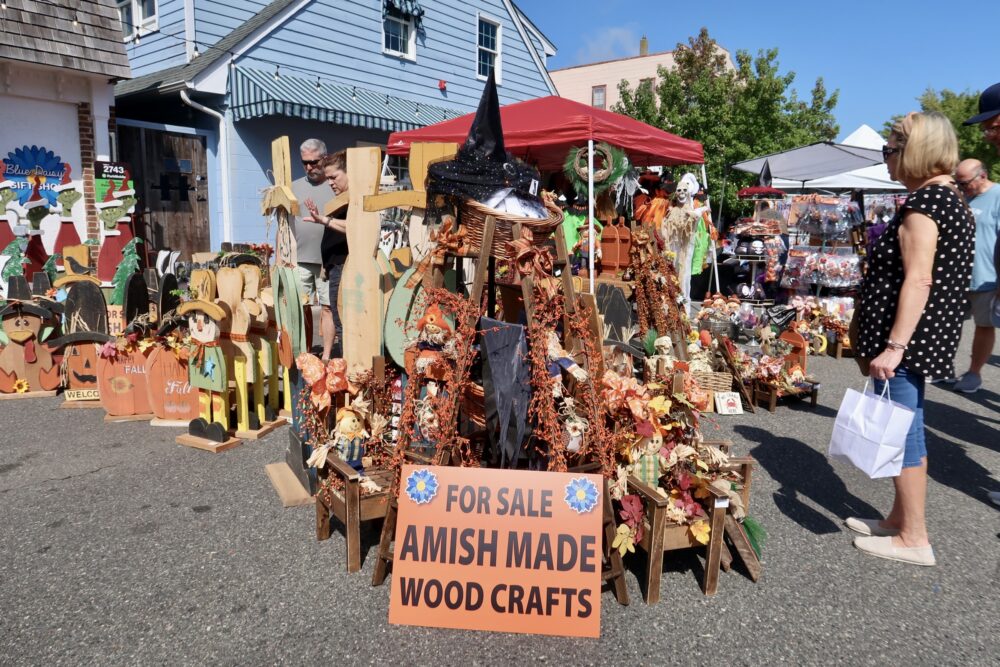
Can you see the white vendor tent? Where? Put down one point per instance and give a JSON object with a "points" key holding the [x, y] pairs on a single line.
{"points": [[873, 178]]}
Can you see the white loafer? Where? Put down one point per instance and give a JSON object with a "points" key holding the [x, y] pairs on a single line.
{"points": [[882, 547], [869, 527]]}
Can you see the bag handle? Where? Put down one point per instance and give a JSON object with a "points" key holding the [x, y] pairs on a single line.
{"points": [[885, 390]]}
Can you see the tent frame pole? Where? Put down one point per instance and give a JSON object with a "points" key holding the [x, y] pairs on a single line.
{"points": [[590, 211], [708, 202]]}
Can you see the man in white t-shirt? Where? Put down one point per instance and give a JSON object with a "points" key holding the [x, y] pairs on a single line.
{"points": [[309, 237], [984, 200]]}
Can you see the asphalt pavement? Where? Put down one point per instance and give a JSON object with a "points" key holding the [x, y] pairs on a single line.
{"points": [[118, 546]]}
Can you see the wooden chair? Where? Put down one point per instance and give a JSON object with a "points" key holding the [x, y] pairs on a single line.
{"points": [[734, 531], [660, 535]]}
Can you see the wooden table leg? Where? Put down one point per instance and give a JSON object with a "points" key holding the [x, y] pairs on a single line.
{"points": [[385, 545], [654, 568], [352, 502], [322, 521]]}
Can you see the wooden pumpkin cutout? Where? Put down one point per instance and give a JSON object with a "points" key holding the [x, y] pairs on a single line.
{"points": [[81, 370], [86, 327], [609, 250], [171, 397], [122, 383]]}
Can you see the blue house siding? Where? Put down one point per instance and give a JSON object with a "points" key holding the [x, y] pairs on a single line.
{"points": [[349, 36], [215, 20], [163, 48], [250, 159]]}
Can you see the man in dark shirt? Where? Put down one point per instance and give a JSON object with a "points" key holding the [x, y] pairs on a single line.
{"points": [[334, 246]]}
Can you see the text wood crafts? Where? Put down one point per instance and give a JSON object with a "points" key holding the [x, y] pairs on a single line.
{"points": [[498, 550]]}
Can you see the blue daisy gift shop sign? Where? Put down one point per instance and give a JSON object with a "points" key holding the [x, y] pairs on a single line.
{"points": [[501, 550]]}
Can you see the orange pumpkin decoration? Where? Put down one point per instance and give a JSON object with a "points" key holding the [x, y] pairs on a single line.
{"points": [[170, 394], [122, 382]]}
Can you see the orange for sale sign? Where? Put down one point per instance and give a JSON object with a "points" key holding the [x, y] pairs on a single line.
{"points": [[500, 550]]}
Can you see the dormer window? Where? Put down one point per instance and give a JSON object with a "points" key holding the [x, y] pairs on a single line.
{"points": [[138, 17]]}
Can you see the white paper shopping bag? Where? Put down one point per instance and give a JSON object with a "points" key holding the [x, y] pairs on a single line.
{"points": [[870, 432]]}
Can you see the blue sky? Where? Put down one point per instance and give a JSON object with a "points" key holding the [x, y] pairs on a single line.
{"points": [[880, 55]]}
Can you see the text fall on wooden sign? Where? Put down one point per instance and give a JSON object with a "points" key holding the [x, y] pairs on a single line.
{"points": [[500, 550]]}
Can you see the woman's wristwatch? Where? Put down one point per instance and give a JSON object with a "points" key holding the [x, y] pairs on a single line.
{"points": [[895, 346]]}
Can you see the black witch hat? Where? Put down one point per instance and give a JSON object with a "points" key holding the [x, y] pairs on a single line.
{"points": [[20, 300], [482, 165]]}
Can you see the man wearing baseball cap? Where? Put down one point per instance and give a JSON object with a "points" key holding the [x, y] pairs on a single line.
{"points": [[988, 120]]}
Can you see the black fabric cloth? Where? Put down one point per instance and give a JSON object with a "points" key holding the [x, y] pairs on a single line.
{"points": [[931, 349]]}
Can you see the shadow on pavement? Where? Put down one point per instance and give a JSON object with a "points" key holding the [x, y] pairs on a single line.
{"points": [[947, 461], [801, 471]]}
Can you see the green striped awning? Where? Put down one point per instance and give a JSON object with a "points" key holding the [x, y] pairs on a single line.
{"points": [[255, 94]]}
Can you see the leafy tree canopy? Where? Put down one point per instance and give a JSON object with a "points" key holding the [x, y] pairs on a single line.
{"points": [[957, 107], [737, 111]]}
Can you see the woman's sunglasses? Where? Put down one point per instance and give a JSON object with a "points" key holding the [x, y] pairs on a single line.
{"points": [[889, 150]]}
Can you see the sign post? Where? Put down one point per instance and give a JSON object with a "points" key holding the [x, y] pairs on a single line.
{"points": [[500, 550]]}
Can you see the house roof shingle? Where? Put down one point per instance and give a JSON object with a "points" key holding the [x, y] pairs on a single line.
{"points": [[43, 33], [221, 49]]}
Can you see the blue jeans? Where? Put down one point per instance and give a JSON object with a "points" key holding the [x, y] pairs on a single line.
{"points": [[907, 389]]}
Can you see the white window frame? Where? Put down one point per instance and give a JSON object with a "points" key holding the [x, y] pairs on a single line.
{"points": [[411, 43], [604, 96], [497, 55], [142, 25]]}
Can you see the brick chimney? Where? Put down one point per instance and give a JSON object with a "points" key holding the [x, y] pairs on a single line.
{"points": [[643, 46]]}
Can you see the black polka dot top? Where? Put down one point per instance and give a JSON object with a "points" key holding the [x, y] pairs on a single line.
{"points": [[931, 350]]}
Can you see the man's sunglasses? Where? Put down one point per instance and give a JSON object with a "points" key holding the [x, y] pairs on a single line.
{"points": [[310, 163], [889, 150], [965, 183]]}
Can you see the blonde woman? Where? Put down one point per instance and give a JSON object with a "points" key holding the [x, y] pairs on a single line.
{"points": [[909, 319]]}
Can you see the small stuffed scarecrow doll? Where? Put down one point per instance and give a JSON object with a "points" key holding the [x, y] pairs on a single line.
{"points": [[207, 368], [350, 436], [434, 342], [647, 462]]}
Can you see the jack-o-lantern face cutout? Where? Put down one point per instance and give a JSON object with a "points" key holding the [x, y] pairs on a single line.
{"points": [[202, 327], [21, 327], [81, 362]]}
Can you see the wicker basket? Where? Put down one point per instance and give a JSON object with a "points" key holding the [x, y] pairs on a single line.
{"points": [[718, 381], [473, 218]]}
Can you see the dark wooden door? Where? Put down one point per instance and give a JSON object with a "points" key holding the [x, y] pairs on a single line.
{"points": [[171, 180]]}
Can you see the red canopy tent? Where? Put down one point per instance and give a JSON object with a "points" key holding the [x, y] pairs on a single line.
{"points": [[541, 131]]}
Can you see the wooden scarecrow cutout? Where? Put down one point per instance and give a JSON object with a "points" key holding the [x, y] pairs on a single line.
{"points": [[26, 363], [207, 369], [263, 339], [240, 355]]}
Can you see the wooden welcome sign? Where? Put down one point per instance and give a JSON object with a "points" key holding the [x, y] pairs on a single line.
{"points": [[500, 550]]}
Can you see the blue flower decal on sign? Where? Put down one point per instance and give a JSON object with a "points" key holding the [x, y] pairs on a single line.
{"points": [[34, 161], [421, 486], [581, 495]]}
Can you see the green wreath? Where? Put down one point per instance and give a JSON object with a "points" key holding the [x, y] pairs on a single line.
{"points": [[610, 164]]}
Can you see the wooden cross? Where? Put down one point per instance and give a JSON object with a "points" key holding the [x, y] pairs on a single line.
{"points": [[279, 200]]}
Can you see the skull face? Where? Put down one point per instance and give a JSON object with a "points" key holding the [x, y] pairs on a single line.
{"points": [[203, 328]]}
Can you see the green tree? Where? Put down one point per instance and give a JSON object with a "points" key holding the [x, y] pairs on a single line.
{"points": [[737, 111], [957, 107]]}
